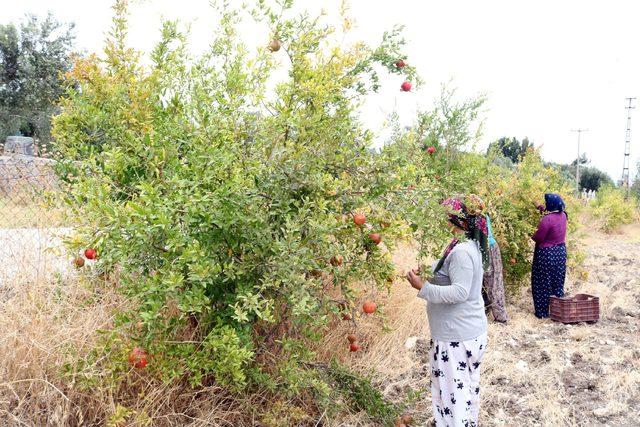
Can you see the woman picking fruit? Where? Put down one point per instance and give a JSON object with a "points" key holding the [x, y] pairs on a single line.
{"points": [[457, 319], [493, 281], [550, 255]]}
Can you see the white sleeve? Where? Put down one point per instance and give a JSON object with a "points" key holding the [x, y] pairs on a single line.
{"points": [[461, 275]]}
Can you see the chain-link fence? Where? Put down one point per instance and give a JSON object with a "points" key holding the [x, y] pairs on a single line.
{"points": [[32, 227]]}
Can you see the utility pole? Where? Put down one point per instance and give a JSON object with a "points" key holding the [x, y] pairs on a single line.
{"points": [[624, 182], [579, 130]]}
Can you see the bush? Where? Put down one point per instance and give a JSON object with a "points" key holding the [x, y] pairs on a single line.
{"points": [[218, 204], [612, 210], [511, 198], [425, 179]]}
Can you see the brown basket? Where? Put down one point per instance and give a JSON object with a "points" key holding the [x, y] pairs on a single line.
{"points": [[578, 308]]}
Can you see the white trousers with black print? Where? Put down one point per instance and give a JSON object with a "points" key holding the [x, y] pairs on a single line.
{"points": [[455, 381]]}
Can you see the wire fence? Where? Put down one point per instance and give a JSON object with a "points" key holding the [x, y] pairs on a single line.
{"points": [[32, 228]]}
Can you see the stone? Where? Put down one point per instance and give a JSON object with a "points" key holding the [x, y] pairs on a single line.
{"points": [[522, 366], [410, 342], [18, 145]]}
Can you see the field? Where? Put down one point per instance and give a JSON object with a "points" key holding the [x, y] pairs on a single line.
{"points": [[535, 372]]}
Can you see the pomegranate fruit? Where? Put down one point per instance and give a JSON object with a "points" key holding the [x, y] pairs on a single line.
{"points": [[376, 238], [359, 219], [138, 358], [90, 253], [275, 45], [369, 307]]}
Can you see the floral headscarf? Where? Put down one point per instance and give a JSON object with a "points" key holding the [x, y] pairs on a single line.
{"points": [[469, 217]]}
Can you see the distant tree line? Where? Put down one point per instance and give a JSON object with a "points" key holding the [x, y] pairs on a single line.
{"points": [[511, 150]]}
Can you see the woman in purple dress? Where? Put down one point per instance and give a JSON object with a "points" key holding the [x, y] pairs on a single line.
{"points": [[550, 256]]}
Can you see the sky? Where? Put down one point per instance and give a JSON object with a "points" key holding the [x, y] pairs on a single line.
{"points": [[546, 67]]}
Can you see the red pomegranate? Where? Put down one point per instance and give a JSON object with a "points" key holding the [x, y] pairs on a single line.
{"points": [[139, 358], [359, 219], [369, 307], [90, 253], [377, 238]]}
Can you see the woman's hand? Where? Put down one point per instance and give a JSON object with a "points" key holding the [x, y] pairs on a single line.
{"points": [[538, 206], [414, 280]]}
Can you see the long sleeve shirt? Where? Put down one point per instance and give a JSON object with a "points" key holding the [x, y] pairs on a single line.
{"points": [[552, 230], [455, 308]]}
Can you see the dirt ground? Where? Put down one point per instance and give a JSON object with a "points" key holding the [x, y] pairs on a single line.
{"points": [[536, 372]]}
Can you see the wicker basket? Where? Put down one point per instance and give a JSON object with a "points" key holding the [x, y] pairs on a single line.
{"points": [[578, 308]]}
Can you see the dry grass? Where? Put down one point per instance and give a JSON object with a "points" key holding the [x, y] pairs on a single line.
{"points": [[46, 325], [29, 208], [39, 323]]}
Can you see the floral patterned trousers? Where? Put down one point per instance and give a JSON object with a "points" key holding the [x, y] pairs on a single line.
{"points": [[455, 381], [547, 277]]}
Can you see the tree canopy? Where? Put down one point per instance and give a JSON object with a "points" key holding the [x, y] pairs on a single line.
{"points": [[511, 148], [34, 55], [591, 178]]}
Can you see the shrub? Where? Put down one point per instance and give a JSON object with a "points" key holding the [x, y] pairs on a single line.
{"points": [[612, 209], [511, 197], [218, 204], [423, 180]]}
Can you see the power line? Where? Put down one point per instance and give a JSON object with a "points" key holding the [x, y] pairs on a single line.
{"points": [[624, 182], [579, 131]]}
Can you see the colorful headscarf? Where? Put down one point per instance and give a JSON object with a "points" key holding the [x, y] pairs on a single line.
{"points": [[470, 218]]}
